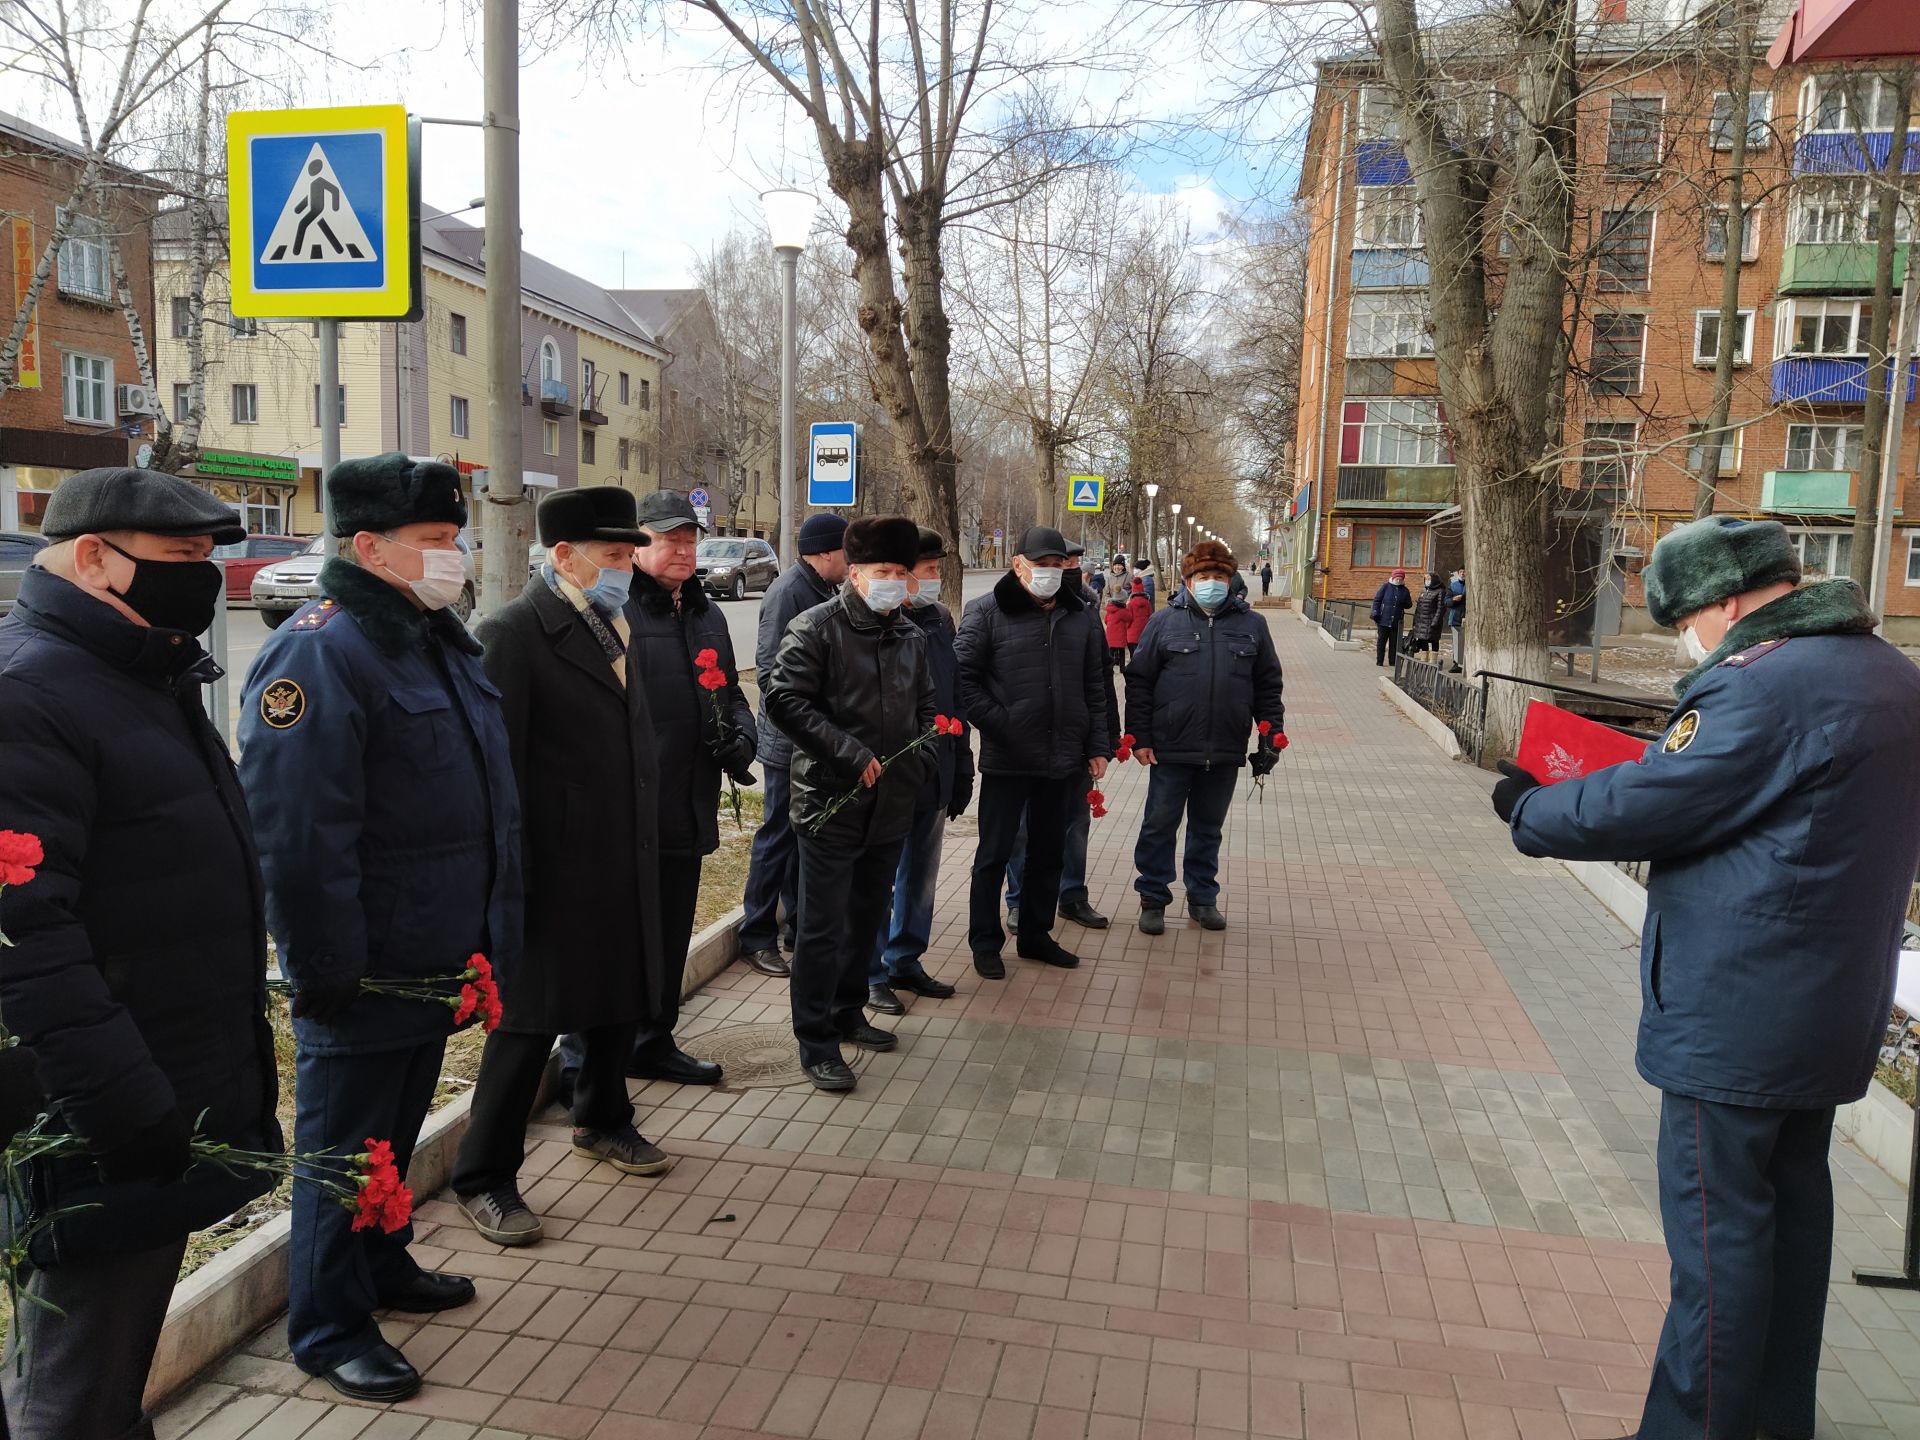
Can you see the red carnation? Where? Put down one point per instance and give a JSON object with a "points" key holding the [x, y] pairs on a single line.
{"points": [[1280, 741], [481, 966], [1099, 811], [469, 1002], [1128, 741], [19, 853], [1265, 726], [707, 659], [1094, 797], [713, 680], [382, 1198]]}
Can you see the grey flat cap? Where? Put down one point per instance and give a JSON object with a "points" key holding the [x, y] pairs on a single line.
{"points": [[119, 497]]}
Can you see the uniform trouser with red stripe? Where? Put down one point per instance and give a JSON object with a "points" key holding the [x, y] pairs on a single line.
{"points": [[1747, 1204]]}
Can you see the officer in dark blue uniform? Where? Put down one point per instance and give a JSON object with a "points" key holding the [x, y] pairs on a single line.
{"points": [[1781, 812], [377, 772]]}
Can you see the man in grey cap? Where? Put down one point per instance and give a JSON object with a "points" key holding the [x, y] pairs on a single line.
{"points": [[135, 979], [1781, 811]]}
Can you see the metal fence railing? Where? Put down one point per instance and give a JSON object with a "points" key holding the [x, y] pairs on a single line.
{"points": [[1453, 699], [1338, 618], [1311, 607]]}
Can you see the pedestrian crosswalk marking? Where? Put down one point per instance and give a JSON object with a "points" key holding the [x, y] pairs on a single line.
{"points": [[316, 223]]}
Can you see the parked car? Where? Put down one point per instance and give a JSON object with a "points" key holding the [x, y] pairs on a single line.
{"points": [[246, 558], [283, 587], [730, 566], [17, 549]]}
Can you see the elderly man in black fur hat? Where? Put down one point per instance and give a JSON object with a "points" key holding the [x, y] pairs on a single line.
{"points": [[850, 685]]}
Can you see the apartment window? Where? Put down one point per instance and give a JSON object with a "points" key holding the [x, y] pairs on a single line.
{"points": [[1716, 234], [1826, 552], [1699, 441], [756, 482], [1913, 559], [88, 388], [646, 395], [549, 360], [1825, 327], [1843, 103], [550, 437], [316, 405], [86, 268], [625, 388], [1386, 547], [620, 454], [1633, 135], [1606, 455], [588, 446], [1823, 447], [246, 405], [643, 457], [1624, 250], [587, 375], [1379, 117], [244, 327], [1706, 338], [1388, 218], [182, 402], [182, 317], [457, 333], [1720, 130], [1619, 343], [1394, 322], [1842, 212], [460, 418], [1406, 430]]}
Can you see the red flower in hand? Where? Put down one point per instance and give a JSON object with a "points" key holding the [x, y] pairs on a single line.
{"points": [[1280, 741], [1098, 811], [707, 659], [382, 1198], [713, 679], [1265, 726], [1128, 741], [469, 1002], [19, 853]]}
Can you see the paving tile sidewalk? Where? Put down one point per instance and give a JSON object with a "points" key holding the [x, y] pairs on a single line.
{"points": [[1373, 1162]]}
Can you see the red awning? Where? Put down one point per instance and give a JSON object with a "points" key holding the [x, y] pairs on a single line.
{"points": [[1848, 30]]}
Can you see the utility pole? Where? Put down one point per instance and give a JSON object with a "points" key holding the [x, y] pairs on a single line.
{"points": [[504, 527], [329, 414]]}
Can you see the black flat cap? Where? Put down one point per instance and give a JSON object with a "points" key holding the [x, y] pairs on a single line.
{"points": [[1039, 541], [932, 547], [387, 491], [590, 512], [119, 497], [668, 510], [883, 540], [1074, 547]]}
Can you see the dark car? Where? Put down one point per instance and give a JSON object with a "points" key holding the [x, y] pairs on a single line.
{"points": [[247, 558], [17, 550], [729, 566]]}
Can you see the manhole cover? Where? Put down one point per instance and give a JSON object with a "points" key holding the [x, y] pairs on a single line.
{"points": [[753, 1056]]}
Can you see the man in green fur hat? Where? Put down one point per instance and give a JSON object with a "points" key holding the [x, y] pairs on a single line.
{"points": [[1781, 814]]}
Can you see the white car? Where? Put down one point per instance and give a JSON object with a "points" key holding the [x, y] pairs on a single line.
{"points": [[282, 588]]}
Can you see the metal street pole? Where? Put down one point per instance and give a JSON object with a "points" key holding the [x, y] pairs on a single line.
{"points": [[503, 519], [329, 414], [1890, 449], [789, 362]]}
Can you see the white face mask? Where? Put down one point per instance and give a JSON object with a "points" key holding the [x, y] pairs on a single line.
{"points": [[884, 596], [1044, 580], [928, 592], [1691, 647], [443, 575]]}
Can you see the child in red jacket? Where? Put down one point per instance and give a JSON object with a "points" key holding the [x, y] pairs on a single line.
{"points": [[1116, 619], [1139, 611]]}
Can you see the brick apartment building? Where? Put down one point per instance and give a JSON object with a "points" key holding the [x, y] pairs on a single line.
{"points": [[74, 400], [1376, 479]]}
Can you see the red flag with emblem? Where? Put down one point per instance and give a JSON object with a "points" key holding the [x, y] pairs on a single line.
{"points": [[1558, 745]]}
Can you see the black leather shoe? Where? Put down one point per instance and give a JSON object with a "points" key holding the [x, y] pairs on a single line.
{"points": [[1153, 919], [429, 1291], [1081, 913], [989, 967], [1209, 916], [676, 1068], [882, 999], [382, 1375], [831, 1075], [767, 962], [1048, 951], [922, 985], [872, 1037]]}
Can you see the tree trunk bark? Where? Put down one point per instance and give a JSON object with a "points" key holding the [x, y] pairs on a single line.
{"points": [[933, 494], [1866, 505]]}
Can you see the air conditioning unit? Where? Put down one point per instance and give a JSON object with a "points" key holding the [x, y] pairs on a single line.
{"points": [[136, 399]]}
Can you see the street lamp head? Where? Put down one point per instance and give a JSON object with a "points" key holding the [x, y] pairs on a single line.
{"points": [[789, 217], [1176, 507], [1153, 490]]}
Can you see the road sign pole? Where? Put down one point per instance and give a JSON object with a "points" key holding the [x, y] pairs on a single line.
{"points": [[329, 414], [220, 693], [503, 521]]}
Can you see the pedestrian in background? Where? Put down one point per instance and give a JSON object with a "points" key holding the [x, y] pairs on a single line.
{"points": [[1266, 578], [944, 796], [1390, 604], [773, 876], [1457, 617], [135, 979], [1144, 578], [380, 779], [849, 686], [1139, 611], [1429, 616], [1117, 624], [1781, 814], [577, 724], [1205, 675]]}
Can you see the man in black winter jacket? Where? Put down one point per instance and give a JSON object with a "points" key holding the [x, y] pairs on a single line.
{"points": [[136, 977], [1033, 682], [1390, 605], [773, 878], [850, 688]]}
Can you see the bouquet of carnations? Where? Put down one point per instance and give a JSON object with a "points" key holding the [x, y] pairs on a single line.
{"points": [[478, 993], [713, 680], [942, 725]]}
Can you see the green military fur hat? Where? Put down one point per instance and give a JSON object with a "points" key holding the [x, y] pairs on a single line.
{"points": [[391, 490], [1703, 562]]}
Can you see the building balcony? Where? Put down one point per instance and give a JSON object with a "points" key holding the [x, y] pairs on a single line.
{"points": [[1807, 492], [556, 398], [1398, 269], [1381, 162], [1826, 380], [1394, 487], [1836, 153], [591, 416], [1834, 269]]}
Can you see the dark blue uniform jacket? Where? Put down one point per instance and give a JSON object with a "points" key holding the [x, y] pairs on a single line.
{"points": [[376, 766], [1199, 683]]}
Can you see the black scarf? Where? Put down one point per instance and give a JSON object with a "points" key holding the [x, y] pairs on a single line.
{"points": [[1827, 607]]}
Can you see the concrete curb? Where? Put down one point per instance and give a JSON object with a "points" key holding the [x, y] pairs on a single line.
{"points": [[1429, 725], [1614, 888], [238, 1291], [1333, 644]]}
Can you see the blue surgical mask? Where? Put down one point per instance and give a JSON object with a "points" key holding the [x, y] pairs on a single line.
{"points": [[610, 589], [928, 593], [1211, 594], [885, 596]]}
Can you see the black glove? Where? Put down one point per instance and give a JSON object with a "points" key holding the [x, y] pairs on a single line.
{"points": [[324, 998], [1507, 792], [161, 1153], [962, 795], [1262, 761], [734, 750]]}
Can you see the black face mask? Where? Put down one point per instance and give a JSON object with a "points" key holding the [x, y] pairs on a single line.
{"points": [[172, 594]]}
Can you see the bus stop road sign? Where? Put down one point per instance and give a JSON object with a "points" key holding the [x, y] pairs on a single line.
{"points": [[833, 462]]}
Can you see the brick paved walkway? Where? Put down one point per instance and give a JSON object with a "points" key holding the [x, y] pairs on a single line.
{"points": [[1371, 1163]]}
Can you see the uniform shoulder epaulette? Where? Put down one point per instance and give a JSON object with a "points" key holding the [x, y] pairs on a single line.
{"points": [[316, 615], [1753, 653]]}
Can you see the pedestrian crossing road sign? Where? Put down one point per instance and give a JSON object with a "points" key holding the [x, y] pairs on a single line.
{"points": [[323, 210], [1086, 493]]}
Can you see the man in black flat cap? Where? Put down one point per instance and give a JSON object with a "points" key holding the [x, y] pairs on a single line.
{"points": [[589, 777], [136, 974], [850, 686], [376, 765]]}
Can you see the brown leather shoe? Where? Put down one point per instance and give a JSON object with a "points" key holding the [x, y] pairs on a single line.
{"points": [[768, 962]]}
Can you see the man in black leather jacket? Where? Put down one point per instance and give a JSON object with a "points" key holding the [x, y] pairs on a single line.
{"points": [[850, 687]]}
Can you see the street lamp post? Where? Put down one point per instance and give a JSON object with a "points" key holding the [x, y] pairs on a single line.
{"points": [[1152, 490], [789, 221], [1173, 539]]}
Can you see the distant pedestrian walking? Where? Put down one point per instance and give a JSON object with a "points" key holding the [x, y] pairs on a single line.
{"points": [[1390, 605], [1114, 616], [1429, 616], [1266, 578], [1139, 611], [1457, 617]]}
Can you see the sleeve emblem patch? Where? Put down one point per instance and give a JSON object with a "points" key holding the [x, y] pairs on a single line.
{"points": [[1682, 734], [282, 704]]}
